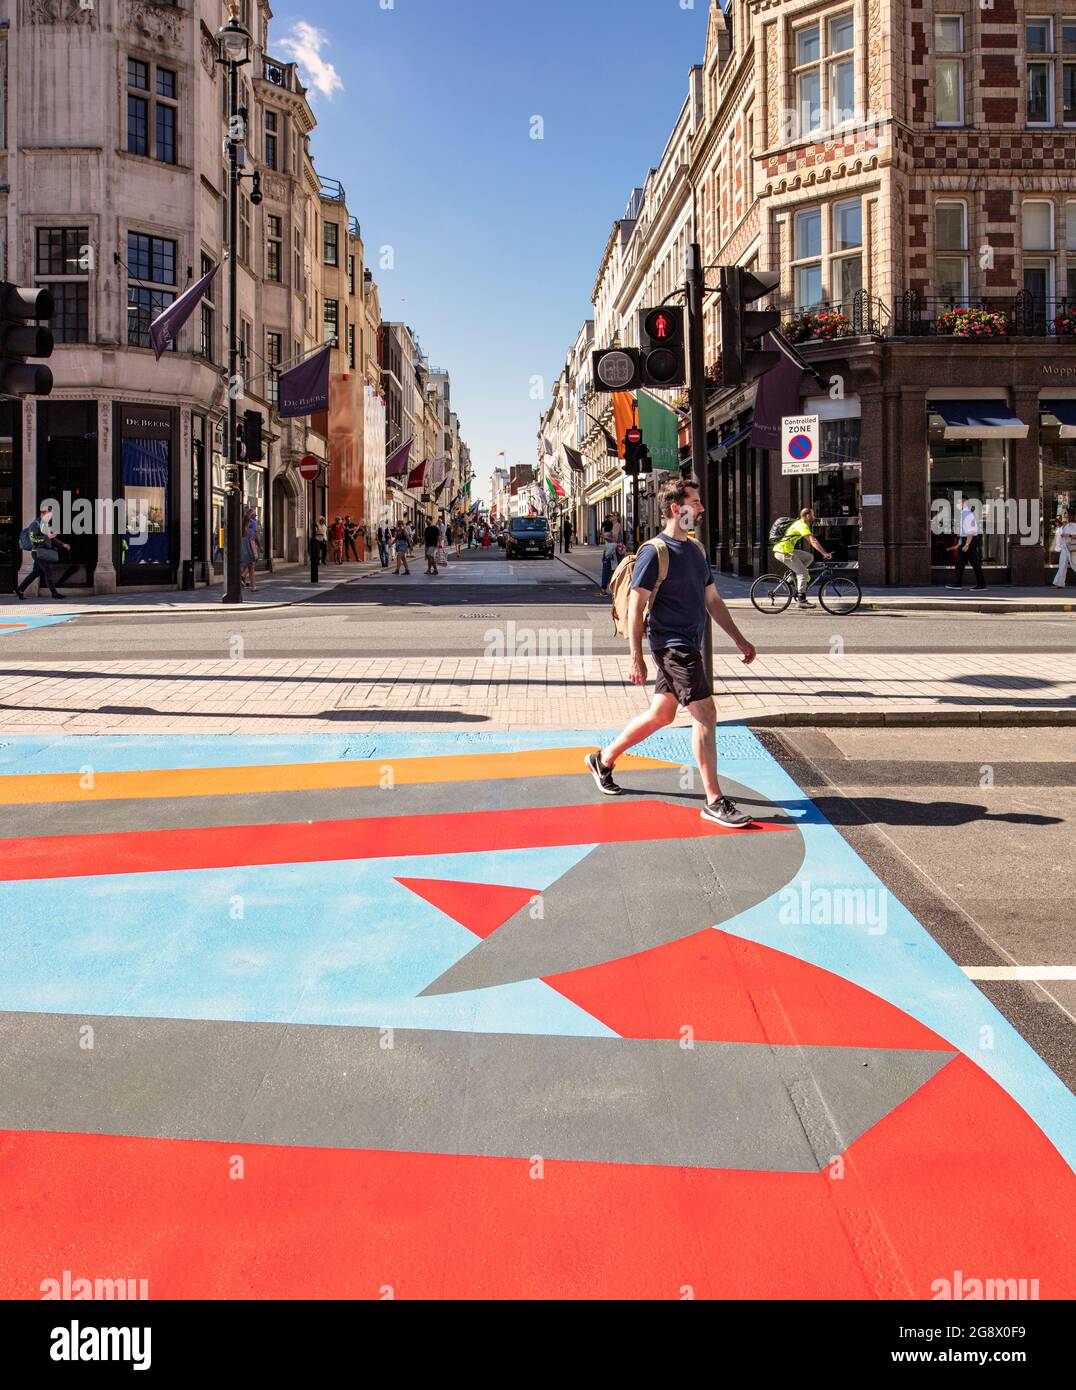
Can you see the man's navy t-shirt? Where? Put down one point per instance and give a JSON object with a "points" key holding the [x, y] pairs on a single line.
{"points": [[678, 613]]}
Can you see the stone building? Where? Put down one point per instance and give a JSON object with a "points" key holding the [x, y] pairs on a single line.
{"points": [[114, 194], [907, 168]]}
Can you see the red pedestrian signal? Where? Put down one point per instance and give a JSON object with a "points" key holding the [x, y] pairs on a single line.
{"points": [[662, 355]]}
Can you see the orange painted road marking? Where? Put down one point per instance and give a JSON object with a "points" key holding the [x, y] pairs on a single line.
{"points": [[170, 783], [12, 625]]}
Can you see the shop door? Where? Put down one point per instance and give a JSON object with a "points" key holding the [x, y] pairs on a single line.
{"points": [[11, 518], [67, 474]]}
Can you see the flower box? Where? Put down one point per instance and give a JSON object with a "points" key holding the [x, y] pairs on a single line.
{"points": [[824, 326], [973, 323]]}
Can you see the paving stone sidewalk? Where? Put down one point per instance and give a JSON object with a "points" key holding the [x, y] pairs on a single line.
{"points": [[381, 694]]}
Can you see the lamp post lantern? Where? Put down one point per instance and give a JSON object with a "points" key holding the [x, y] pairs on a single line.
{"points": [[235, 45]]}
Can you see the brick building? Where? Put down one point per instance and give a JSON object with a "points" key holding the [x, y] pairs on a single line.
{"points": [[908, 169]]}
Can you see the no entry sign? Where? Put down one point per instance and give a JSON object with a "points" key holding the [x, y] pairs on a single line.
{"points": [[799, 444], [309, 468]]}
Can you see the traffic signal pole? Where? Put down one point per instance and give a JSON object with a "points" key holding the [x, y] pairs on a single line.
{"points": [[695, 293], [233, 522]]}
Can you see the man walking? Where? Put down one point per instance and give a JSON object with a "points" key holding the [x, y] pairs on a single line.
{"points": [[383, 547], [45, 551], [784, 552], [675, 620], [969, 548], [566, 535], [432, 540], [351, 532]]}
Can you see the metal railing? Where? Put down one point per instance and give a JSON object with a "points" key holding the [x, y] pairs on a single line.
{"points": [[332, 190], [864, 315], [276, 73], [1021, 315]]}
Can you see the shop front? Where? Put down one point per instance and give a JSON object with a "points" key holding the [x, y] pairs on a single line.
{"points": [[146, 481], [1057, 437], [67, 473]]}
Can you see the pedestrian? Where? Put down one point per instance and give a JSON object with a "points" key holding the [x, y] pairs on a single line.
{"points": [[470, 536], [432, 538], [248, 553], [382, 547], [403, 546], [351, 531], [321, 538], [969, 548], [566, 532], [1066, 547], [457, 536], [674, 612], [785, 553], [37, 538], [612, 532], [336, 540]]}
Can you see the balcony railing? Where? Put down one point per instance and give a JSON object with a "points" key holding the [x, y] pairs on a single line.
{"points": [[1013, 316], [861, 315], [277, 73], [332, 190]]}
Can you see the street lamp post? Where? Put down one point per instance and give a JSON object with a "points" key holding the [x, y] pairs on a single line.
{"points": [[235, 45]]}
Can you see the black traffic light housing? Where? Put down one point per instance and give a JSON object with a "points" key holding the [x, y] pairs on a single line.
{"points": [[253, 444], [633, 449], [662, 357], [616, 369], [23, 333], [741, 325]]}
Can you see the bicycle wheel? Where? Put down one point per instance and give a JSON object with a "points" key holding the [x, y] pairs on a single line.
{"points": [[840, 594], [770, 593]]}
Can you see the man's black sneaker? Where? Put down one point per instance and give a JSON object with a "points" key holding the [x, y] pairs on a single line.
{"points": [[20, 595], [726, 812], [602, 775], [804, 603]]}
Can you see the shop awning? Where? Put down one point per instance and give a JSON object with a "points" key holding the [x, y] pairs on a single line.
{"points": [[989, 419], [719, 450], [1065, 412]]}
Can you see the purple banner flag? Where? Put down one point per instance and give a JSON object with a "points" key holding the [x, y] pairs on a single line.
{"points": [[304, 389], [397, 464], [165, 328], [777, 394]]}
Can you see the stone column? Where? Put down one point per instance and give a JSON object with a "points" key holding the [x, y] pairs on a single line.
{"points": [[909, 474], [104, 579], [186, 446], [30, 499], [1027, 562], [872, 442]]}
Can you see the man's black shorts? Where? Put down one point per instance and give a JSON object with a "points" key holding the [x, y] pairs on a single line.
{"points": [[681, 673]]}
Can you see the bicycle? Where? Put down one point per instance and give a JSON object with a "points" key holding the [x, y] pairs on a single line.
{"points": [[838, 591]]}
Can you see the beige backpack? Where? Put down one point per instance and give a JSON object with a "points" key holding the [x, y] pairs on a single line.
{"points": [[620, 584]]}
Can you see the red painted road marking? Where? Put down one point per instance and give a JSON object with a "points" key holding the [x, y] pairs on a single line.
{"points": [[149, 851], [957, 1178], [480, 907]]}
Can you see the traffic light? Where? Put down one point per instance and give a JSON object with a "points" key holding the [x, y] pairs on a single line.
{"points": [[633, 447], [616, 369], [741, 326], [253, 445], [662, 357], [21, 337]]}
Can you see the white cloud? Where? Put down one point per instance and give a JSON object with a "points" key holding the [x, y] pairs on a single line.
{"points": [[303, 46]]}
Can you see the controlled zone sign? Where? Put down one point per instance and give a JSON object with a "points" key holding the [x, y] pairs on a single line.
{"points": [[799, 444]]}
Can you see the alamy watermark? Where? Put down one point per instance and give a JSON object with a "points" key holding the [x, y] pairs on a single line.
{"points": [[1010, 516], [101, 516], [834, 905], [572, 645]]}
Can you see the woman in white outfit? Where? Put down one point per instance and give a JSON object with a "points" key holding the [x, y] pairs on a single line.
{"points": [[1066, 540]]}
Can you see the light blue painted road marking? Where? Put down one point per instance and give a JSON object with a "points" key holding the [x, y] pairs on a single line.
{"points": [[31, 621], [339, 944]]}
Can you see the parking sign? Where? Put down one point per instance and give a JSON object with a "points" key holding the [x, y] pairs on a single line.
{"points": [[799, 444]]}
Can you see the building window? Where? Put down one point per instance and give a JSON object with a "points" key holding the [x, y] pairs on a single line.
{"points": [[1040, 74], [274, 355], [297, 244], [207, 347], [846, 267], [274, 254], [1039, 268], [351, 345], [246, 334], [1070, 248], [825, 74], [271, 137], [331, 243], [951, 245], [71, 317], [151, 266], [1068, 71], [351, 274], [949, 71], [332, 320], [807, 264], [244, 229], [152, 107]]}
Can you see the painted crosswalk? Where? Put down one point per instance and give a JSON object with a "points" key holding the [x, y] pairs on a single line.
{"points": [[459, 1021]]}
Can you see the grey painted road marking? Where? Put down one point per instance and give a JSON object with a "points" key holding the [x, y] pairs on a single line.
{"points": [[603, 1100]]}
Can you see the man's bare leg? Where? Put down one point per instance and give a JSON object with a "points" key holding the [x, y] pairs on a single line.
{"points": [[660, 715], [704, 744]]}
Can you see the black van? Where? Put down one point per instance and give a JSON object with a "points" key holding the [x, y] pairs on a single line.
{"points": [[529, 535]]}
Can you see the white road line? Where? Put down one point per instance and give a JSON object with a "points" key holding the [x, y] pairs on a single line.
{"points": [[1020, 972]]}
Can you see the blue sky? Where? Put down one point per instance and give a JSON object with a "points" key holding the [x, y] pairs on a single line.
{"points": [[424, 114]]}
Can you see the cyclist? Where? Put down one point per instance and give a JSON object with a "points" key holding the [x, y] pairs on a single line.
{"points": [[785, 553]]}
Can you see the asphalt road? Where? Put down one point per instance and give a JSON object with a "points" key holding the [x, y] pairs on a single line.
{"points": [[447, 616], [973, 830]]}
